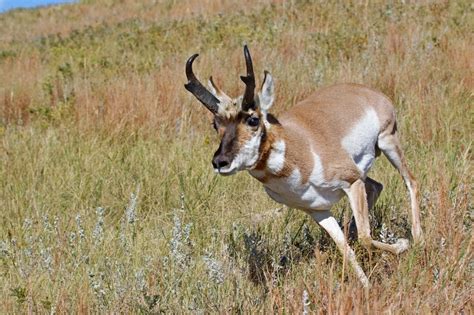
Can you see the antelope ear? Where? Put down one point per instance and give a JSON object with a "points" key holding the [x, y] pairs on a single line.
{"points": [[218, 93], [212, 86], [267, 92]]}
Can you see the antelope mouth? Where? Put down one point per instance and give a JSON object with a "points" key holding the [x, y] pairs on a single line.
{"points": [[225, 171]]}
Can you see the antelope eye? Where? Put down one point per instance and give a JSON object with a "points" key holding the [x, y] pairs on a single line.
{"points": [[253, 121]]}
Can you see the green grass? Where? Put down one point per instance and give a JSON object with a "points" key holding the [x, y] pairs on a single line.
{"points": [[93, 110]]}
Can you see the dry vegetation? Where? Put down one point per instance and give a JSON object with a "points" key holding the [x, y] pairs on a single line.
{"points": [[108, 201]]}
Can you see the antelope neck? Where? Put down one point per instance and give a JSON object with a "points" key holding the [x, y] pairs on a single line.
{"points": [[269, 137]]}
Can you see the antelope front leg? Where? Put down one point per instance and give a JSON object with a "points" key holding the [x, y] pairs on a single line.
{"points": [[358, 200], [329, 223]]}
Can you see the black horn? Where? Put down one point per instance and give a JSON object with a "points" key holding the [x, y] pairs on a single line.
{"points": [[248, 101], [198, 90]]}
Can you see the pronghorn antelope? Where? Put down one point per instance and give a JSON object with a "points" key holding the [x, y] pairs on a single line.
{"points": [[314, 154]]}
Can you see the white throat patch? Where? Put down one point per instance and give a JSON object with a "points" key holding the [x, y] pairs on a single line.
{"points": [[276, 160]]}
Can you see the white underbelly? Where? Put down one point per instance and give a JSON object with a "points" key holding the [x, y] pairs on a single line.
{"points": [[303, 196]]}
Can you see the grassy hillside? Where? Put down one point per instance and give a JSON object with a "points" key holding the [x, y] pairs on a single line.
{"points": [[107, 195]]}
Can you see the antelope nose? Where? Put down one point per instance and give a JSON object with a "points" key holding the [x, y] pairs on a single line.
{"points": [[220, 161]]}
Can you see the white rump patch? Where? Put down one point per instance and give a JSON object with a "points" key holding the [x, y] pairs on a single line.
{"points": [[276, 160], [361, 140]]}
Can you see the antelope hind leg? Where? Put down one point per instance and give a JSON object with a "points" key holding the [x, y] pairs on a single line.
{"points": [[358, 201]]}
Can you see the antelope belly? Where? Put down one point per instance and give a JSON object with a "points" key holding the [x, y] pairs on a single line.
{"points": [[291, 192]]}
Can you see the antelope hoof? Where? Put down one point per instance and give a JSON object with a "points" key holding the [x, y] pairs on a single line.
{"points": [[418, 238], [401, 245]]}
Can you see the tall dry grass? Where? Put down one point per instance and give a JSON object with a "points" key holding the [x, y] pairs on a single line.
{"points": [[92, 110]]}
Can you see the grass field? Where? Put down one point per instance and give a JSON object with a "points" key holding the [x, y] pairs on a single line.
{"points": [[108, 199]]}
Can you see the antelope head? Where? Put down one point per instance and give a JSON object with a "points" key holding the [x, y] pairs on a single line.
{"points": [[241, 122]]}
